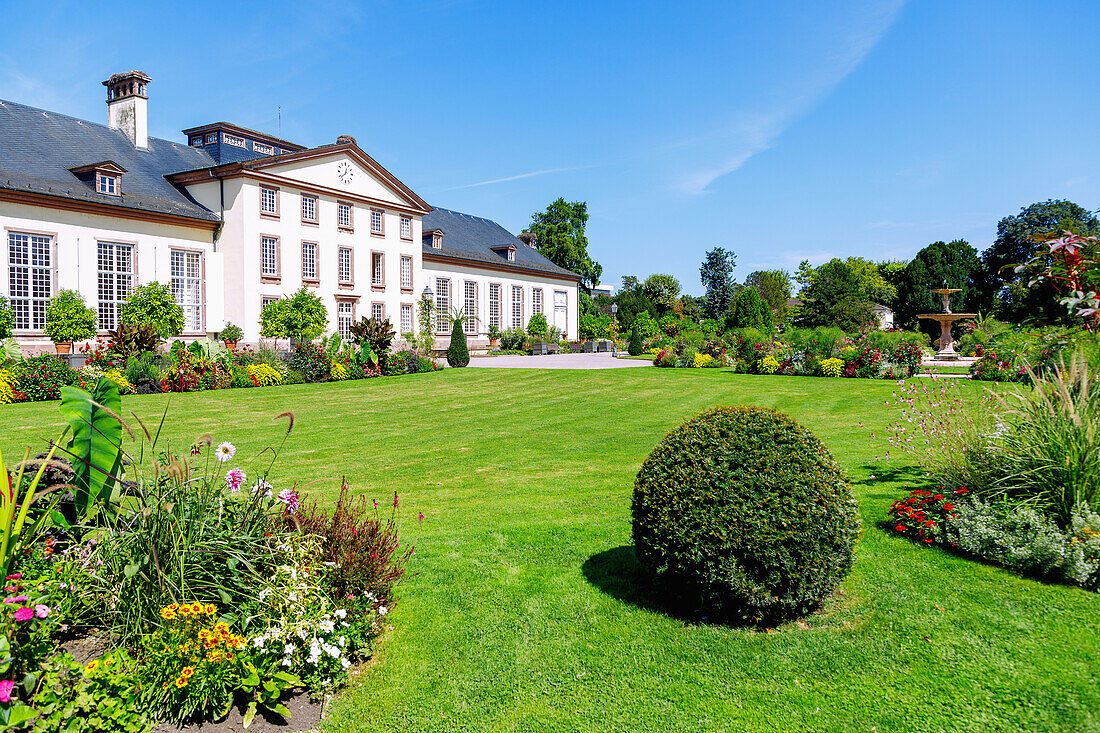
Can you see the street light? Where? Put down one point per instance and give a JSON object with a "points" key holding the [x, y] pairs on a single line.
{"points": [[427, 292], [614, 342]]}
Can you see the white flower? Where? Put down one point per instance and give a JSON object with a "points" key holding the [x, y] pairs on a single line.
{"points": [[286, 662], [288, 649], [225, 451], [303, 634], [342, 641], [265, 593], [333, 651], [258, 642], [345, 663], [382, 610], [327, 626], [340, 613]]}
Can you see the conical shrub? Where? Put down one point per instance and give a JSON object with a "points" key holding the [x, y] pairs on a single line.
{"points": [[458, 355]]}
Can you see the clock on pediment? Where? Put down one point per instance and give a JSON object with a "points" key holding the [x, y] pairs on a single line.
{"points": [[345, 172]]}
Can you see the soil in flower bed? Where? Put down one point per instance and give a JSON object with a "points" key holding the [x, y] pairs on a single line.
{"points": [[304, 716]]}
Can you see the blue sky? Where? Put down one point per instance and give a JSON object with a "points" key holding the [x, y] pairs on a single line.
{"points": [[780, 130]]}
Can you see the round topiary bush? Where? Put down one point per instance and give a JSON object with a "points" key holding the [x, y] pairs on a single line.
{"points": [[744, 512]]}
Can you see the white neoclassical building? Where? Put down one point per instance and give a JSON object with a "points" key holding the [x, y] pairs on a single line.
{"points": [[232, 218]]}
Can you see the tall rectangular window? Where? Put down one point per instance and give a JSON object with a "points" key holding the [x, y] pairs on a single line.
{"points": [[269, 201], [536, 301], [343, 216], [561, 310], [376, 222], [187, 287], [30, 278], [377, 269], [406, 272], [469, 307], [442, 305], [115, 280], [406, 318], [309, 209], [343, 266], [517, 307], [406, 227], [309, 260], [345, 316], [378, 311], [269, 256], [494, 304]]}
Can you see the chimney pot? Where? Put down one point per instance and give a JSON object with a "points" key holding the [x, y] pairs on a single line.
{"points": [[128, 106]]}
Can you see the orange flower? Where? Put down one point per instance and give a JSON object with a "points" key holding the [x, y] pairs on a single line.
{"points": [[181, 682], [196, 608], [229, 657], [187, 671], [214, 656], [209, 644]]}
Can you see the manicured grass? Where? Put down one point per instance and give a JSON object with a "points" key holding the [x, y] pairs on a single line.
{"points": [[524, 615]]}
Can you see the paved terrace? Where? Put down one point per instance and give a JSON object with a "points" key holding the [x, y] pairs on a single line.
{"points": [[558, 361]]}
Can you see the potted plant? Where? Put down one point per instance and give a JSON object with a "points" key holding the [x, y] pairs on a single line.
{"points": [[68, 319], [230, 335], [494, 336]]}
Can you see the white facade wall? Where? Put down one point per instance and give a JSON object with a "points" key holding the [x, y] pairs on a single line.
{"points": [[482, 277], [76, 237]]}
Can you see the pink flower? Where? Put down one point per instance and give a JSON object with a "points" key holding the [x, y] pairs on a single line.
{"points": [[41, 611], [395, 499], [14, 576], [24, 614], [16, 599], [421, 516], [289, 498], [234, 478], [5, 690]]}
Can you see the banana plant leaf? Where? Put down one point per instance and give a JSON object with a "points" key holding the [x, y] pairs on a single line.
{"points": [[96, 445]]}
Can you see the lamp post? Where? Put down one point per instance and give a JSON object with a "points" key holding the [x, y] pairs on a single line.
{"points": [[614, 330]]}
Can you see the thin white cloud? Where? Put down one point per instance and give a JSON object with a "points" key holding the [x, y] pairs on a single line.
{"points": [[758, 131], [532, 174]]}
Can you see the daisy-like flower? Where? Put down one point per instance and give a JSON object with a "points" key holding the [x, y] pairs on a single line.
{"points": [[234, 479], [225, 451], [288, 497]]}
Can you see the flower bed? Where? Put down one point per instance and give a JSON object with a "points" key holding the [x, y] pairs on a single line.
{"points": [[213, 588]]}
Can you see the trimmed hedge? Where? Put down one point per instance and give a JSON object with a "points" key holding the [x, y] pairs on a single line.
{"points": [[746, 513]]}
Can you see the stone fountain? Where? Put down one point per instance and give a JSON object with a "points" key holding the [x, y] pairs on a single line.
{"points": [[946, 320]]}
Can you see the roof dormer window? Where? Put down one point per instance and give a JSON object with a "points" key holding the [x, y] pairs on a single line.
{"points": [[437, 240], [107, 183], [507, 252]]}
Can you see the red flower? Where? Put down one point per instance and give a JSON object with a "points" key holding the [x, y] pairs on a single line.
{"points": [[900, 528], [948, 506]]}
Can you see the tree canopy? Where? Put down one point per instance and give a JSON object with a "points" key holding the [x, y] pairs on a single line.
{"points": [[1019, 237], [775, 287], [954, 265], [664, 290], [559, 236], [840, 293], [750, 310], [716, 273]]}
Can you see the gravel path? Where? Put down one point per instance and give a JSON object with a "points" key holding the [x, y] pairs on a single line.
{"points": [[558, 361]]}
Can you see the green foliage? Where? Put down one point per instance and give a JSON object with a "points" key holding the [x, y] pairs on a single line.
{"points": [[774, 287], [18, 530], [716, 273], [631, 304], [7, 318], [458, 355], [301, 317], [132, 339], [152, 304], [750, 310], [636, 347], [513, 339], [953, 265], [378, 335], [102, 695], [595, 326], [95, 449], [537, 326], [745, 511], [68, 318], [664, 290], [42, 377], [425, 319], [559, 236], [646, 327], [840, 294], [1019, 238], [231, 332]]}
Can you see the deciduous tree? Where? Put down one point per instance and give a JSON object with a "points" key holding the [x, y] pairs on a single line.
{"points": [[560, 237]]}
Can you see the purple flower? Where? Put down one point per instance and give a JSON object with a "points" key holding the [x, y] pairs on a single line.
{"points": [[234, 478]]}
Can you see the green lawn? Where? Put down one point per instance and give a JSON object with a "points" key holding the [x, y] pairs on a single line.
{"points": [[523, 614]]}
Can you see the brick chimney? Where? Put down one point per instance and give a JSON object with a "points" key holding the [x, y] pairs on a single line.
{"points": [[128, 106]]}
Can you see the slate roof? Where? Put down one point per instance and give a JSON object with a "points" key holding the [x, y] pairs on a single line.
{"points": [[468, 237], [37, 149]]}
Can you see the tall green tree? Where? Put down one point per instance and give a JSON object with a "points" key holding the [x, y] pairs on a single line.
{"points": [[716, 273], [840, 294], [954, 265], [663, 290], [1019, 237], [751, 310], [893, 271], [775, 287], [560, 237]]}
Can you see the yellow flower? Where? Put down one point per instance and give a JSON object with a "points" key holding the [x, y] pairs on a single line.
{"points": [[91, 666], [108, 662], [185, 610], [214, 656], [210, 609], [173, 606], [187, 671], [229, 657], [181, 682], [167, 614]]}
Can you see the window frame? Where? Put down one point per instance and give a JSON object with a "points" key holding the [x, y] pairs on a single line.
{"points": [[354, 303], [442, 315], [350, 226], [499, 287], [403, 220], [381, 230], [265, 214], [277, 276], [406, 259], [106, 324], [50, 269], [380, 283], [316, 208], [517, 304], [382, 306], [315, 279], [539, 300], [201, 305], [401, 323], [114, 179], [350, 282], [470, 326]]}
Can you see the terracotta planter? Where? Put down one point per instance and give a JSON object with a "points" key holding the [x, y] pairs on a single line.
{"points": [[231, 346], [63, 347], [494, 342]]}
